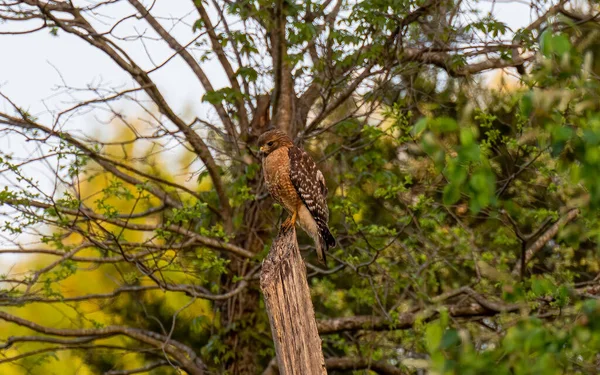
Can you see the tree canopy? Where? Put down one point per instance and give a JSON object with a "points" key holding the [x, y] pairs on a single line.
{"points": [[462, 158]]}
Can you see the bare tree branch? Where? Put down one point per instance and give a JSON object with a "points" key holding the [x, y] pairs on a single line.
{"points": [[349, 363], [545, 237], [188, 58], [216, 45], [185, 355], [80, 27], [207, 241]]}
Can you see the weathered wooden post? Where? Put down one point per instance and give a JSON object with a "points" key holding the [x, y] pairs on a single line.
{"points": [[291, 314]]}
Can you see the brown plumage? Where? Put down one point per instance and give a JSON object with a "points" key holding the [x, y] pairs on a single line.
{"points": [[294, 180]]}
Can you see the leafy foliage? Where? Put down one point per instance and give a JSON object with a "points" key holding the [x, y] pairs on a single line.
{"points": [[466, 210]]}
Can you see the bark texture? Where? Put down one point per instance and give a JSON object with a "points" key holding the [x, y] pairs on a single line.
{"points": [[290, 309]]}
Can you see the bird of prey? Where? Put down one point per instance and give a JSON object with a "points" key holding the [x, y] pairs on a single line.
{"points": [[295, 182]]}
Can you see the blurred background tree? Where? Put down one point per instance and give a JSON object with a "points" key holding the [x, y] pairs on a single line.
{"points": [[465, 207]]}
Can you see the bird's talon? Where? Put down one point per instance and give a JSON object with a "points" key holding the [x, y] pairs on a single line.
{"points": [[289, 223], [286, 225]]}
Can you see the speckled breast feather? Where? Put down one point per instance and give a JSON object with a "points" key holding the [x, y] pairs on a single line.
{"points": [[276, 167]]}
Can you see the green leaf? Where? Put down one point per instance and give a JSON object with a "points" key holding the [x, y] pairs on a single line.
{"points": [[451, 194], [467, 137], [450, 338], [248, 73], [546, 43], [199, 24], [419, 127], [561, 44], [225, 94], [527, 104], [542, 287], [551, 44], [444, 124], [470, 152], [433, 336]]}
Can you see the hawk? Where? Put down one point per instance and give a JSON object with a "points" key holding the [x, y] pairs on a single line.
{"points": [[294, 180]]}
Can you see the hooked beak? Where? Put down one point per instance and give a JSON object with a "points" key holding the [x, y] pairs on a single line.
{"points": [[262, 150]]}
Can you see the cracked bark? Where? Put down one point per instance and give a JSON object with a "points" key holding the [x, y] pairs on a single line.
{"points": [[290, 309]]}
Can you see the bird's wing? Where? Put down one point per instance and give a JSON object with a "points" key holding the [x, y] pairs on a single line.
{"points": [[310, 184]]}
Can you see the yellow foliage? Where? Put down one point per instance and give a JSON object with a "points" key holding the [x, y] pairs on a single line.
{"points": [[357, 217], [205, 184], [504, 82]]}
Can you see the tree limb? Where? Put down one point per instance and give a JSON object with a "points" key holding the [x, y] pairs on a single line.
{"points": [[351, 363], [218, 48], [207, 241], [80, 27], [189, 59], [185, 355], [284, 96], [545, 237], [346, 363], [404, 320]]}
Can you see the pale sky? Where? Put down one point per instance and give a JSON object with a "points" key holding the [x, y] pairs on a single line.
{"points": [[29, 72], [31, 62]]}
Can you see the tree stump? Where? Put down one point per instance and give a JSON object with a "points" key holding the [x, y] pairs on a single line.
{"points": [[290, 309]]}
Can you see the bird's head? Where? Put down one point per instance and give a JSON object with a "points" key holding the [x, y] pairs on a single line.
{"points": [[271, 140]]}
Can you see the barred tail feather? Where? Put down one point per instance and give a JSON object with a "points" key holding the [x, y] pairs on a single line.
{"points": [[317, 229], [329, 239], [321, 246], [324, 242]]}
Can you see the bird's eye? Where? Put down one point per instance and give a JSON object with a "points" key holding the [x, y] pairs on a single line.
{"points": [[270, 143]]}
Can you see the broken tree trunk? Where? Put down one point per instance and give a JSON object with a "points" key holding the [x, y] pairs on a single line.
{"points": [[291, 314]]}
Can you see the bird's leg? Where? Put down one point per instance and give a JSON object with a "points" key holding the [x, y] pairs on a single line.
{"points": [[290, 222], [293, 220]]}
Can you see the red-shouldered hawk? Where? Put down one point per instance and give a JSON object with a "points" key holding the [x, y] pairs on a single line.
{"points": [[294, 181]]}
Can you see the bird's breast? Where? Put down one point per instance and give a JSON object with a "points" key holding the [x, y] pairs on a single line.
{"points": [[276, 169]]}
